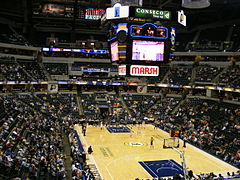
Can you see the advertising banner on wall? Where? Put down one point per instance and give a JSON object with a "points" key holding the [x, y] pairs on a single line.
{"points": [[141, 70], [117, 11]]}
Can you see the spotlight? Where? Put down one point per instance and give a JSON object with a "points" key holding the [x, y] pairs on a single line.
{"points": [[195, 4]]}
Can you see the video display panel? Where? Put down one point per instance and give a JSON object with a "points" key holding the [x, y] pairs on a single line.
{"points": [[53, 9], [114, 51], [147, 50], [148, 30]]}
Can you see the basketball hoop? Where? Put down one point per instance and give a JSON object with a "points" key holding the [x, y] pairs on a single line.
{"points": [[195, 4]]}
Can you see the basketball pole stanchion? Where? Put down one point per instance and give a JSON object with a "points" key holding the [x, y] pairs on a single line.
{"points": [[185, 173]]}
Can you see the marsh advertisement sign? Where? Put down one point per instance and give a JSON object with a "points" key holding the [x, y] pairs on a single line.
{"points": [[139, 70]]}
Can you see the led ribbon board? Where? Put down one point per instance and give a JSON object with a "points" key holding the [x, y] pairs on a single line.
{"points": [[85, 51], [148, 30], [152, 13]]}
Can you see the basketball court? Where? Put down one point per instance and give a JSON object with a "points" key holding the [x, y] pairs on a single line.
{"points": [[126, 156]]}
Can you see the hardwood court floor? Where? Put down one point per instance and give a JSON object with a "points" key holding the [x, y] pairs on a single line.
{"points": [[117, 160]]}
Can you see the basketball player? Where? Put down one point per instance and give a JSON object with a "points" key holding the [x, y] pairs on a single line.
{"points": [[155, 124], [131, 132], [139, 132], [151, 143], [84, 130], [143, 124]]}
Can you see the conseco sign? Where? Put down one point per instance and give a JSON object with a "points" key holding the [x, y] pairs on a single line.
{"points": [[139, 70], [152, 13]]}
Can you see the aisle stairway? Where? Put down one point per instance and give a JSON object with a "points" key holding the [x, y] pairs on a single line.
{"points": [[79, 102], [124, 104], [67, 153], [45, 71]]}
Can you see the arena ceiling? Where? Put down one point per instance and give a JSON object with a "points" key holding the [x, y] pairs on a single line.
{"points": [[219, 13]]}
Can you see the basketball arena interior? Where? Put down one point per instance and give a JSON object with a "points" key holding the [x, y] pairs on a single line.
{"points": [[119, 89]]}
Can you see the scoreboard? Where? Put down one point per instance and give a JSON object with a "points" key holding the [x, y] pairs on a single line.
{"points": [[149, 30], [139, 44], [140, 49]]}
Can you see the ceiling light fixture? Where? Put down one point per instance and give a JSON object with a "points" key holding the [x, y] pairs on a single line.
{"points": [[195, 4]]}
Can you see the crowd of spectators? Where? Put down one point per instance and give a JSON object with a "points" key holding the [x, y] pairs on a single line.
{"points": [[30, 142], [31, 135], [206, 176], [164, 107], [206, 73], [106, 107], [210, 125], [140, 104], [31, 123], [231, 77], [11, 71], [56, 68], [90, 105], [79, 167], [33, 69], [64, 105], [180, 75], [20, 70]]}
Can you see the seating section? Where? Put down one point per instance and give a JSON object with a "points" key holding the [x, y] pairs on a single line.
{"points": [[206, 45], [36, 104], [119, 111], [209, 40], [139, 104], [31, 144], [56, 68], [31, 135], [33, 69], [22, 70], [31, 139], [164, 107], [210, 125], [90, 105], [231, 77], [206, 73], [106, 107], [162, 72], [11, 71], [180, 75], [7, 35], [61, 104]]}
